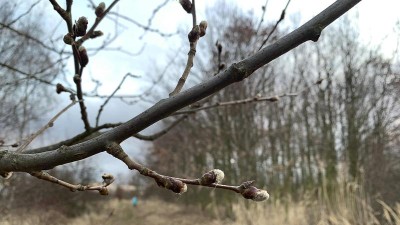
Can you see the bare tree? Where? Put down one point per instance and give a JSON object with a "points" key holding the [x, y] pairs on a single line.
{"points": [[26, 64], [35, 161]]}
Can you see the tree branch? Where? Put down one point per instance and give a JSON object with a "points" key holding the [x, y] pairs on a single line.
{"points": [[193, 36], [96, 23], [178, 185], [112, 95], [10, 161], [41, 130], [282, 17], [101, 188], [28, 76], [76, 139], [245, 101]]}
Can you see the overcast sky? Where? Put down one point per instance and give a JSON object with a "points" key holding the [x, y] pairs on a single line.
{"points": [[376, 22]]}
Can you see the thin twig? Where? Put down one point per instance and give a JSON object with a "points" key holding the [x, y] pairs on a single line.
{"points": [[160, 133], [144, 27], [112, 94], [76, 139], [185, 74], [276, 25], [24, 14], [95, 24], [178, 185], [28, 76], [194, 13], [247, 100], [220, 65], [79, 94], [23, 34], [41, 130], [68, 6], [101, 188], [310, 31], [191, 55], [155, 11], [76, 55], [264, 9], [64, 14]]}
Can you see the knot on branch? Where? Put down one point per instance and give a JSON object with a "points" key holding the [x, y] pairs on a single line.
{"points": [[248, 191], [239, 73], [116, 150], [316, 33], [213, 176], [172, 184]]}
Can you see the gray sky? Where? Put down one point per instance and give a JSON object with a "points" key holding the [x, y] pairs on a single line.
{"points": [[376, 21]]}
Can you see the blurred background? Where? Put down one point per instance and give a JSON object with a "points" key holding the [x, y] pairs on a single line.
{"points": [[328, 151]]}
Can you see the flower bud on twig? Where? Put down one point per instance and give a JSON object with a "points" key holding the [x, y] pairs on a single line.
{"points": [[172, 184], [60, 88], [213, 176], [194, 34], [186, 5], [81, 26], [203, 28], [100, 9], [255, 194], [68, 39], [96, 33], [107, 179], [83, 57], [219, 47]]}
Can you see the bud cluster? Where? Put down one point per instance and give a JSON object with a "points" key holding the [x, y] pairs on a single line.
{"points": [[197, 31]]}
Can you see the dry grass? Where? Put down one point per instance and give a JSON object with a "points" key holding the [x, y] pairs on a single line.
{"points": [[349, 205]]}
